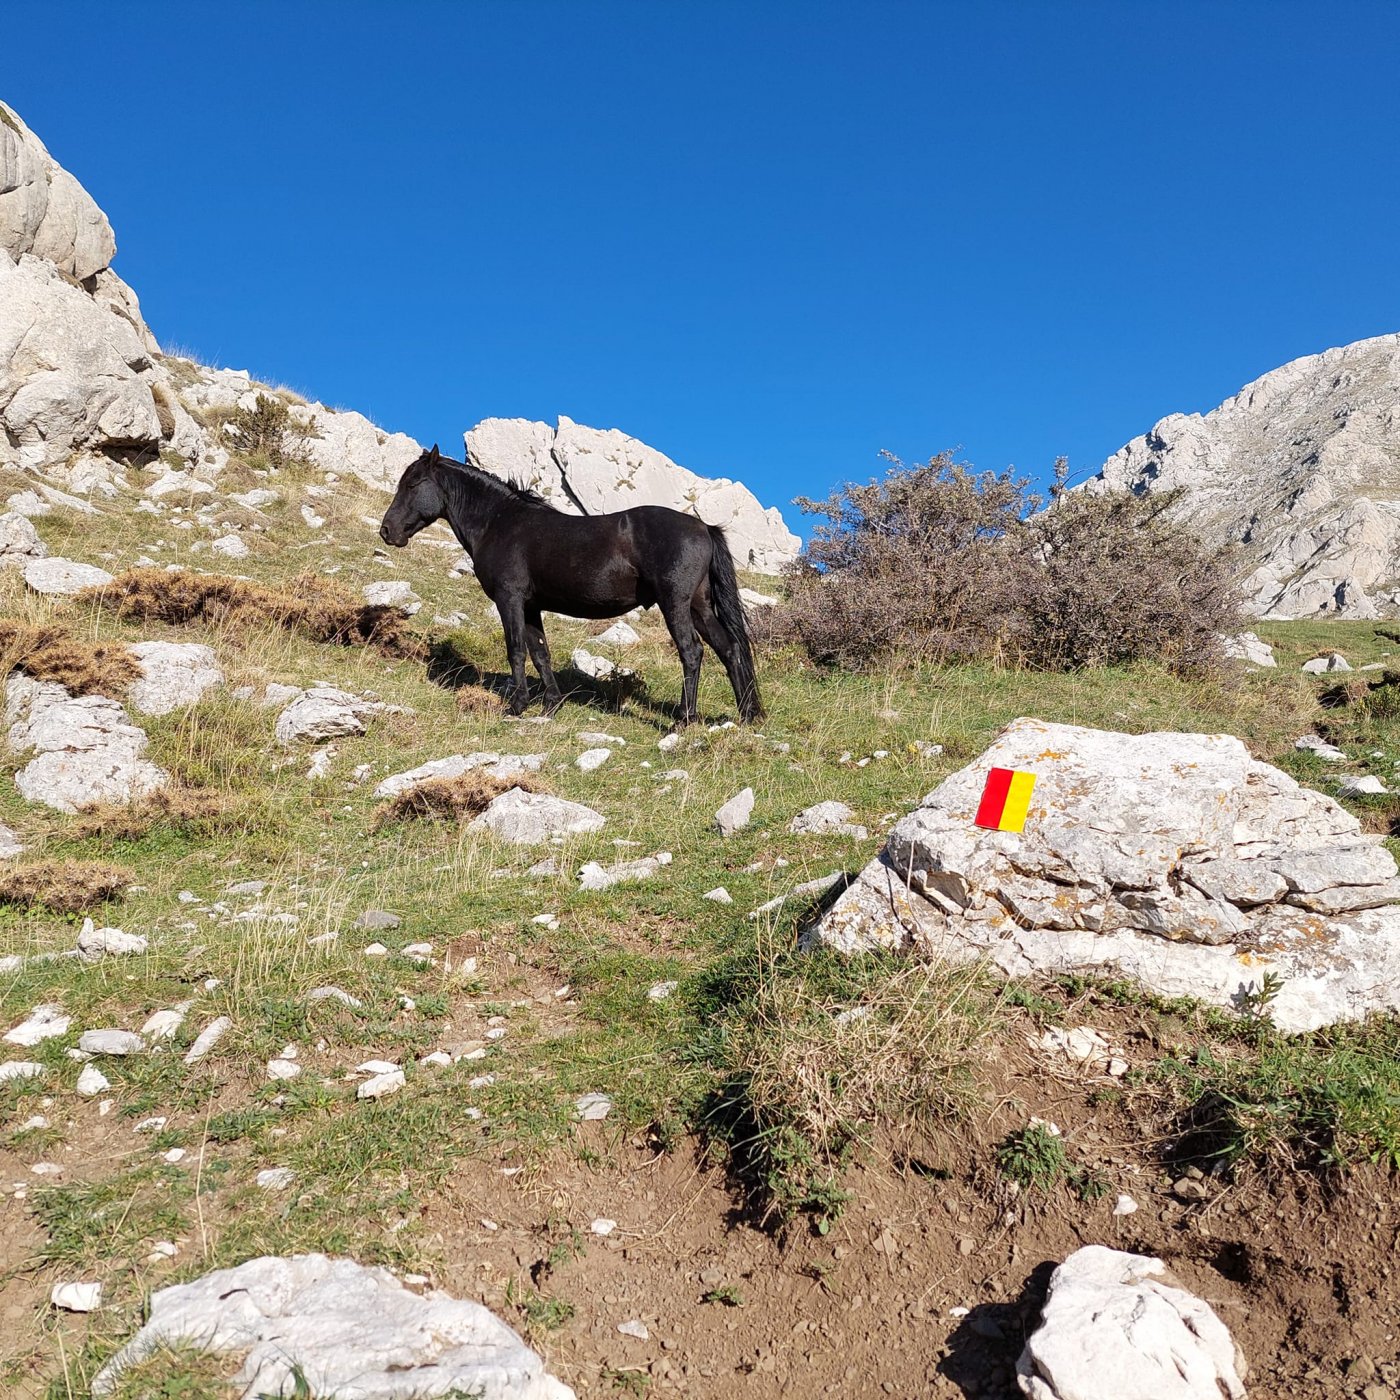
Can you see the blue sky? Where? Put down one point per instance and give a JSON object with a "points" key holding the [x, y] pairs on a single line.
{"points": [[769, 239]]}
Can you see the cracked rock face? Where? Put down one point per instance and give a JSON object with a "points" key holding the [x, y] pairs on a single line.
{"points": [[587, 470], [1174, 858], [351, 1331], [1301, 469], [87, 749]]}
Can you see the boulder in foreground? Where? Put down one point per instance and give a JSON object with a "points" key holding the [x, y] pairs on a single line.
{"points": [[350, 1330], [1175, 859], [1118, 1327]]}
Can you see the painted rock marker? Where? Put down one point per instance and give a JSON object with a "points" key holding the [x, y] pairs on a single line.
{"points": [[1005, 800]]}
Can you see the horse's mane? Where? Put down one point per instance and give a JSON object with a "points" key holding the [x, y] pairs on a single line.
{"points": [[522, 493]]}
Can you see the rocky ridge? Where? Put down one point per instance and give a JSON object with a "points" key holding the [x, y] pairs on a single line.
{"points": [[1301, 470]]}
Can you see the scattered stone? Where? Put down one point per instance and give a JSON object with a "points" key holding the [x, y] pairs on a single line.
{"points": [[255, 499], [275, 1178], [924, 749], [390, 1082], [1246, 646], [20, 1069], [208, 1038], [323, 712], [43, 1023], [77, 1297], [735, 813], [719, 894], [590, 759], [392, 593], [505, 766], [162, 1250], [62, 578], [808, 887], [419, 952], [150, 1125], [230, 546], [333, 994], [635, 1327], [246, 888], [1082, 1044], [597, 667], [601, 877], [440, 1059], [1134, 855], [1124, 1205], [661, 990], [10, 844], [826, 817], [668, 742], [92, 1082], [174, 675], [603, 1226], [377, 921], [19, 540], [1117, 1326], [620, 634], [375, 950], [88, 751], [527, 818], [1367, 786], [591, 1108], [1190, 1188], [176, 1154], [320, 766], [95, 943], [1313, 744], [111, 1042], [337, 1328], [283, 1069], [1332, 661]]}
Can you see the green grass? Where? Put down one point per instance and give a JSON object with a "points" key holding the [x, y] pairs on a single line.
{"points": [[752, 1054]]}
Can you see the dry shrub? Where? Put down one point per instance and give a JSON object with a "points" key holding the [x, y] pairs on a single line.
{"points": [[477, 700], [446, 799], [936, 562], [64, 887], [51, 653], [309, 604], [191, 811]]}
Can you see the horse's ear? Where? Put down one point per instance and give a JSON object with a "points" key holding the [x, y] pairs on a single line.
{"points": [[433, 455]]}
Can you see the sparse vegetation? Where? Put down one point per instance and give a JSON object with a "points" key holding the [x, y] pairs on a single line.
{"points": [[52, 653], [936, 562], [62, 886], [265, 434], [446, 799]]}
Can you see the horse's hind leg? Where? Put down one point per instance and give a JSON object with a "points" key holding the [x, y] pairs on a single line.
{"points": [[679, 623], [538, 644]]}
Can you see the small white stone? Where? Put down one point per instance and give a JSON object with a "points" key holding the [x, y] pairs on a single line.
{"points": [[380, 1085], [176, 1154], [207, 1039], [376, 950], [1124, 1205], [488, 1224], [440, 1058], [275, 1178], [92, 1082], [635, 1327], [77, 1297], [283, 1069], [720, 895], [603, 1226], [150, 1125], [661, 991], [162, 1249], [591, 1108], [376, 1067], [591, 759]]}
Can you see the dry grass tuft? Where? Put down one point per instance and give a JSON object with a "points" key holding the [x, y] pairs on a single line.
{"points": [[191, 811], [446, 799], [63, 886], [309, 604], [477, 700], [52, 653]]}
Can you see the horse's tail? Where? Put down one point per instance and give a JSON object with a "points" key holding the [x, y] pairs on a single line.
{"points": [[729, 608]]}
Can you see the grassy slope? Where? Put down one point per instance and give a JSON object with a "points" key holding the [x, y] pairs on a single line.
{"points": [[718, 1054]]}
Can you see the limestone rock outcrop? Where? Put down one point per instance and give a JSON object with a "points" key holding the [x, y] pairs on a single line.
{"points": [[1175, 859], [1301, 470], [344, 1328], [589, 471]]}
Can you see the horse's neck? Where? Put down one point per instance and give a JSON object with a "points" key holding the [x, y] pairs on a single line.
{"points": [[469, 508]]}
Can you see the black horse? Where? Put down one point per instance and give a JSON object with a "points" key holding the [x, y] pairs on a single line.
{"points": [[530, 558]]}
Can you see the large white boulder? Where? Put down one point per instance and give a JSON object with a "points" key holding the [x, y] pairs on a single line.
{"points": [[349, 1330], [87, 750], [173, 675], [346, 442], [1117, 1326], [590, 471], [63, 577], [1175, 859], [323, 712]]}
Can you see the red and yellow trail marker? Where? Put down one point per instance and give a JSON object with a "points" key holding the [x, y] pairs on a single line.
{"points": [[1005, 800]]}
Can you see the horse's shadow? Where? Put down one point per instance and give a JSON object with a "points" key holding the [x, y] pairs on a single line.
{"points": [[453, 669]]}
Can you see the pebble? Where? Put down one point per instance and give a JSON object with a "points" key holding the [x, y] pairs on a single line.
{"points": [[207, 1039], [378, 920], [591, 759], [46, 1169], [1124, 1205], [44, 1023], [376, 1067], [161, 1249], [77, 1297], [635, 1327], [176, 1154], [275, 1178], [283, 1069], [603, 1226], [20, 1069], [661, 991], [720, 895], [111, 1042], [92, 1082], [333, 994], [440, 1058], [591, 1108], [150, 1125], [161, 1025], [421, 952], [1190, 1189], [376, 950], [381, 1085]]}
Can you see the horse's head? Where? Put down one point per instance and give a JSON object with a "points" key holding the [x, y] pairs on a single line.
{"points": [[417, 502]]}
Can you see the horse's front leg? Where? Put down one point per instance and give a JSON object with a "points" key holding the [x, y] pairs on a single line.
{"points": [[513, 621], [538, 644]]}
